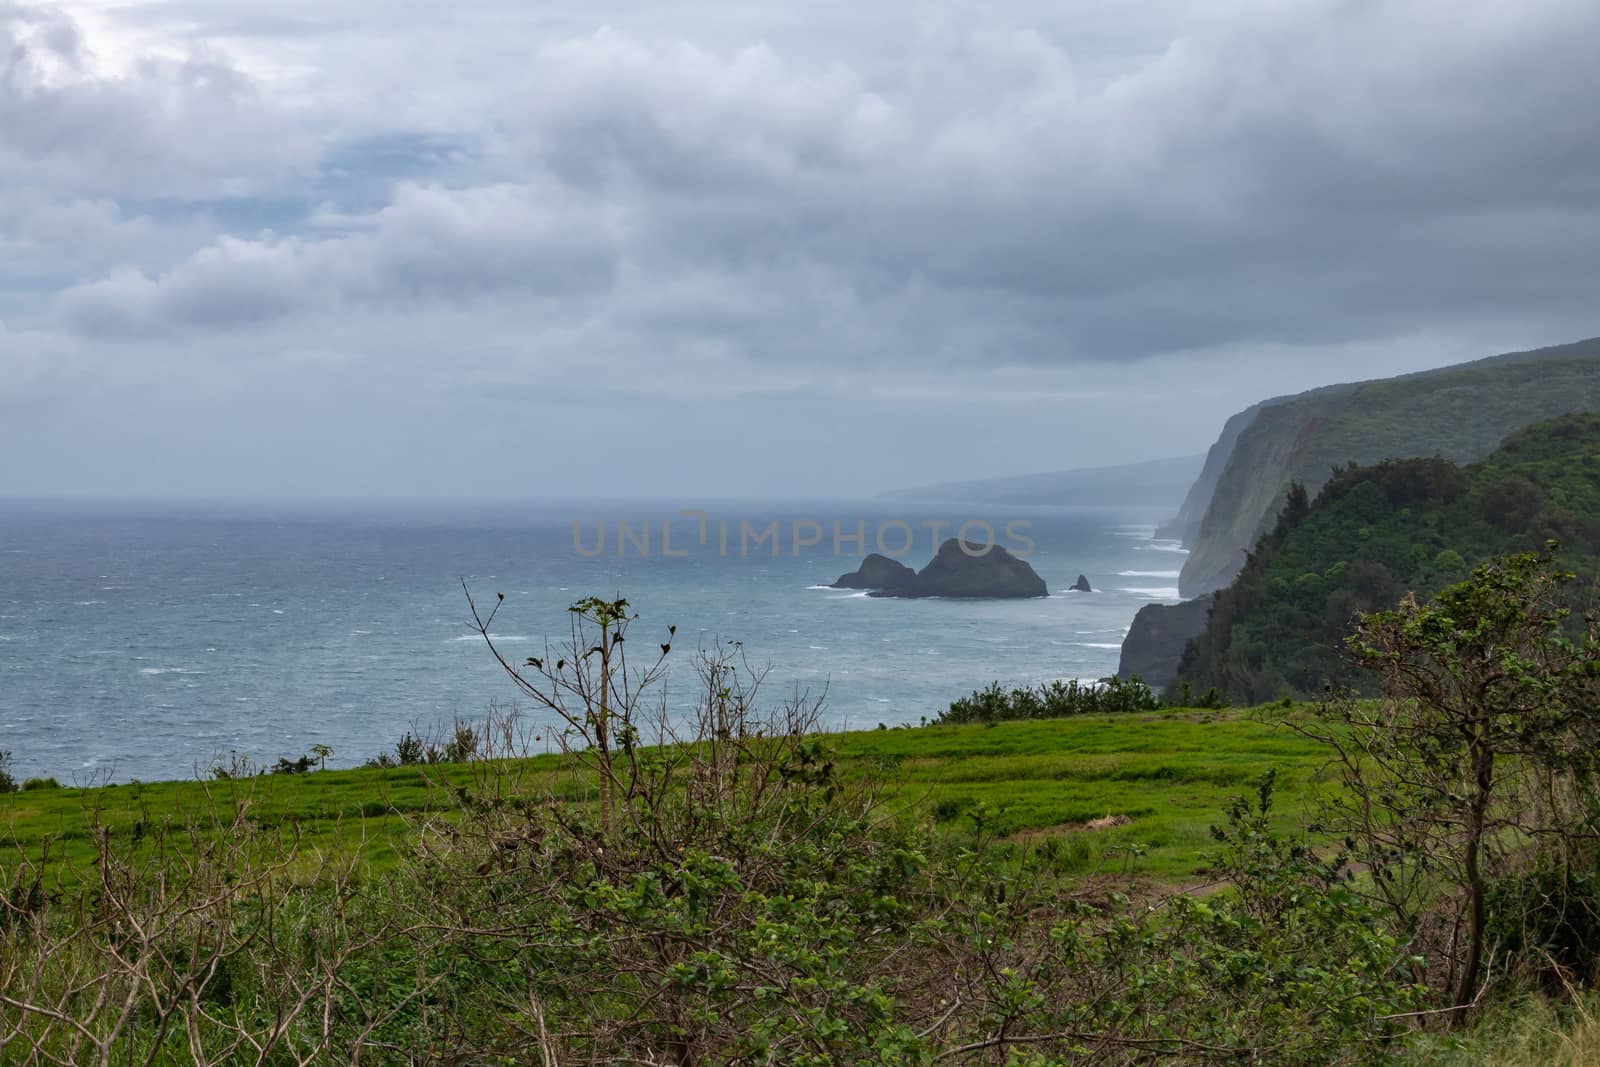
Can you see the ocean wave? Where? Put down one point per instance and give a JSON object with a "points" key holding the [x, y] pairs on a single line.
{"points": [[1164, 546], [168, 670], [1163, 593], [1148, 574], [1095, 644], [87, 603], [492, 637]]}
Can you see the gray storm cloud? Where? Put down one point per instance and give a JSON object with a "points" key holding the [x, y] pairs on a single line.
{"points": [[645, 200]]}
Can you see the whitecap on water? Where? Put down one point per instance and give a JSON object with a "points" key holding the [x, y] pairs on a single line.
{"points": [[1148, 574], [1095, 644], [1163, 593], [168, 670], [492, 637]]}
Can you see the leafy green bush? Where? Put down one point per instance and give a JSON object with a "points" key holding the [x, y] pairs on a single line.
{"points": [[8, 783], [40, 783], [1051, 700]]}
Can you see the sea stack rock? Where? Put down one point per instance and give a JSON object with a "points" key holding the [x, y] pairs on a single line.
{"points": [[1081, 585], [962, 569], [877, 572]]}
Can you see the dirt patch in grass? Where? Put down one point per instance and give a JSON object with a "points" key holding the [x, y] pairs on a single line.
{"points": [[1104, 822]]}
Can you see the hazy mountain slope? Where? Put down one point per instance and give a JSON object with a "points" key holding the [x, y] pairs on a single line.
{"points": [[1376, 533], [1459, 412], [1154, 483]]}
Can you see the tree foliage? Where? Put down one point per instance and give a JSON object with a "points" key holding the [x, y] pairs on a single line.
{"points": [[1477, 762], [1376, 533]]}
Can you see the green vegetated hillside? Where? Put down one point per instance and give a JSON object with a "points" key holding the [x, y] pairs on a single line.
{"points": [[1460, 413], [1376, 533]]}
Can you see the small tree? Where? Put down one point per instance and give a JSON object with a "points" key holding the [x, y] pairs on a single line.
{"points": [[590, 687], [321, 752], [1482, 739]]}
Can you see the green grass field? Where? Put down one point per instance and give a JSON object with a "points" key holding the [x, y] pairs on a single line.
{"points": [[1163, 778]]}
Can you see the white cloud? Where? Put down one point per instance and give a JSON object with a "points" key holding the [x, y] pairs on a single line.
{"points": [[428, 244], [166, 127]]}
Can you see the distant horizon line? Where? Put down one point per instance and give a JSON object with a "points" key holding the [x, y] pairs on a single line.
{"points": [[673, 500]]}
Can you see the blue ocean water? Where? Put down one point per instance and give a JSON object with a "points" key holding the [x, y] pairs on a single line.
{"points": [[143, 641]]}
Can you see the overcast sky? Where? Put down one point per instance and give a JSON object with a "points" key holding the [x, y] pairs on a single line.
{"points": [[737, 247]]}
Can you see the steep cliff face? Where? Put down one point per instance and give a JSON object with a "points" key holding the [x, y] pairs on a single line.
{"points": [[1461, 413], [1154, 646], [1185, 526]]}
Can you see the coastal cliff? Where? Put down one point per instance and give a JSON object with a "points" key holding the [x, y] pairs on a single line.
{"points": [[1154, 646], [1377, 533], [1185, 526], [1460, 413]]}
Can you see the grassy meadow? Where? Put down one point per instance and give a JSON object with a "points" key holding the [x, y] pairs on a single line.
{"points": [[1129, 792]]}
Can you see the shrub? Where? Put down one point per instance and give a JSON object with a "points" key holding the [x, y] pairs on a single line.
{"points": [[40, 783], [409, 751], [1052, 700], [1478, 761], [289, 766], [8, 783]]}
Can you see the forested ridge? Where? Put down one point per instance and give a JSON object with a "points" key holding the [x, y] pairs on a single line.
{"points": [[1375, 533]]}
